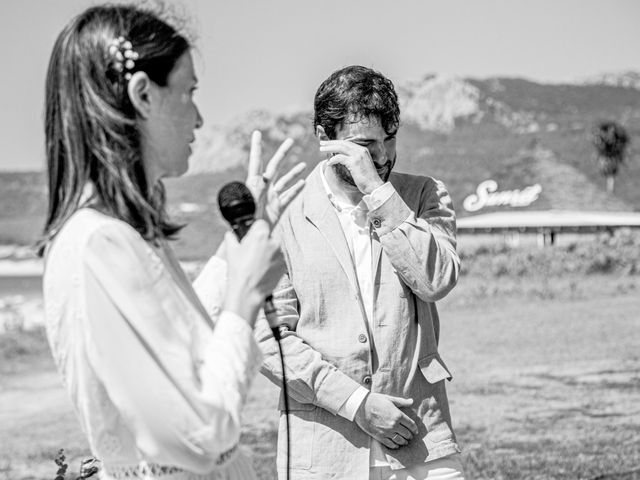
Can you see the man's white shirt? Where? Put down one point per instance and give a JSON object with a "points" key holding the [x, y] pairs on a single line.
{"points": [[357, 231]]}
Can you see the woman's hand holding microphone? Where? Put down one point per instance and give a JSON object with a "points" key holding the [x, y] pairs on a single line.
{"points": [[255, 263]]}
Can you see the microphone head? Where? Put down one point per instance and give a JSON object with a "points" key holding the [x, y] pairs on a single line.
{"points": [[237, 206]]}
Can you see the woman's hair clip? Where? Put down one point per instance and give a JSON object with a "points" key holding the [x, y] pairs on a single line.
{"points": [[124, 56]]}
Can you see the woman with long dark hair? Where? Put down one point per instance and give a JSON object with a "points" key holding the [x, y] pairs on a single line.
{"points": [[157, 379]]}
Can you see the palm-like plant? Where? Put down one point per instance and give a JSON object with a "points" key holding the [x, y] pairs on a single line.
{"points": [[611, 140]]}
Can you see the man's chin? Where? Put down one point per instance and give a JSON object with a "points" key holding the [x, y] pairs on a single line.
{"points": [[384, 174], [344, 175]]}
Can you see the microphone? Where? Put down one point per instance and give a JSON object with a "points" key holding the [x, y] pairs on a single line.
{"points": [[239, 209]]}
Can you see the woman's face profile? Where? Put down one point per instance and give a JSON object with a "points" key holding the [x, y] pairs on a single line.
{"points": [[172, 122]]}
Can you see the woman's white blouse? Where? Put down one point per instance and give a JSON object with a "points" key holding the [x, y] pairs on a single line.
{"points": [[157, 389]]}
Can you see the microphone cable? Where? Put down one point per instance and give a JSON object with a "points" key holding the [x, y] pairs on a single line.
{"points": [[238, 207], [277, 334]]}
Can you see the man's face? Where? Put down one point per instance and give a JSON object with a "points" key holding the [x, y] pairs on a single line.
{"points": [[368, 132]]}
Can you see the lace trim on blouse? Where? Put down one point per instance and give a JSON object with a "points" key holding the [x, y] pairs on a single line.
{"points": [[146, 471]]}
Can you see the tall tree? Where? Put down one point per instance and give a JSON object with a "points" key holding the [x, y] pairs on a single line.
{"points": [[611, 140]]}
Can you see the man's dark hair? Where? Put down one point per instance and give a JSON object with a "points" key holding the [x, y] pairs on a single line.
{"points": [[352, 94]]}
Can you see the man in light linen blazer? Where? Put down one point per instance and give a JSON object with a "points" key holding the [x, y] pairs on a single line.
{"points": [[368, 253]]}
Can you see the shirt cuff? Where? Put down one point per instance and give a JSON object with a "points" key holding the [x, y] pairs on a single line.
{"points": [[379, 196], [390, 215], [350, 407]]}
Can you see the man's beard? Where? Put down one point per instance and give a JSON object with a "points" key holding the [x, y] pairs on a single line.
{"points": [[343, 173]]}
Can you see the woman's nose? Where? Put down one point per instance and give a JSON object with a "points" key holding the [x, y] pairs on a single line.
{"points": [[199, 119]]}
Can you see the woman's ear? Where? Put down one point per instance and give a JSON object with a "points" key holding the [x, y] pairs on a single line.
{"points": [[321, 134], [139, 91]]}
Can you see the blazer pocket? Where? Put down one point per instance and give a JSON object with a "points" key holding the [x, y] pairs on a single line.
{"points": [[433, 368]]}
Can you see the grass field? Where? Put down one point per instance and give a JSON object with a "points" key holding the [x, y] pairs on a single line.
{"points": [[545, 386]]}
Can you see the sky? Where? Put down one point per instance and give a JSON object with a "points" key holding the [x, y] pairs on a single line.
{"points": [[273, 54]]}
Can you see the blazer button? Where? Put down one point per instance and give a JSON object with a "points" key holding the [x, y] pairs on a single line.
{"points": [[376, 222], [367, 380], [362, 338]]}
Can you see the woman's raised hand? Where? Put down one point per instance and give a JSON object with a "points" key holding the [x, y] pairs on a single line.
{"points": [[272, 191]]}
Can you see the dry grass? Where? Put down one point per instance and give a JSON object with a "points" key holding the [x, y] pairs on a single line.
{"points": [[544, 388], [548, 388]]}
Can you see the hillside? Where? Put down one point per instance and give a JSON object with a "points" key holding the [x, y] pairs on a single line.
{"points": [[463, 131]]}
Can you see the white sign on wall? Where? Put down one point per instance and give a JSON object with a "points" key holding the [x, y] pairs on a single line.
{"points": [[487, 195]]}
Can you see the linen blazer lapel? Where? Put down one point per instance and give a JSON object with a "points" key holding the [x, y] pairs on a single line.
{"points": [[320, 212]]}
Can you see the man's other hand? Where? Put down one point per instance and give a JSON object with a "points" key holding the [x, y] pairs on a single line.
{"points": [[380, 416]]}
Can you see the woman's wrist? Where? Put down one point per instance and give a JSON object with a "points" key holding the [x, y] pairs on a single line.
{"points": [[244, 305]]}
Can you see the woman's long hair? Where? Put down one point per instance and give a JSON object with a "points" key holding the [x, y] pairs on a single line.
{"points": [[90, 122]]}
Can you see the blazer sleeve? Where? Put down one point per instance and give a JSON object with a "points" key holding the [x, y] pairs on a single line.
{"points": [[310, 378], [421, 244], [182, 410]]}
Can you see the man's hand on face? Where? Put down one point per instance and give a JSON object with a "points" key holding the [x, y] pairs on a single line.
{"points": [[380, 417], [356, 159]]}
